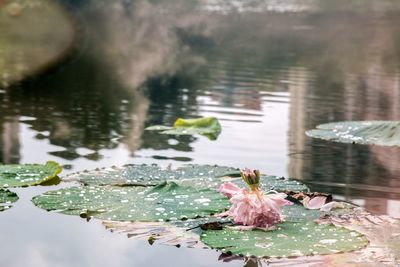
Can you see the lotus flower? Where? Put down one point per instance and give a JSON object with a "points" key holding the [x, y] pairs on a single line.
{"points": [[252, 207]]}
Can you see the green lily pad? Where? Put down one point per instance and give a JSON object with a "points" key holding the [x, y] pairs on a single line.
{"points": [[268, 182], [145, 175], [384, 133], [7, 198], [26, 27], [28, 174], [205, 176], [209, 127], [288, 240], [167, 201], [298, 213]]}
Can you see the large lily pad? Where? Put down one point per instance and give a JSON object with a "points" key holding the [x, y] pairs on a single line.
{"points": [[26, 27], [269, 182], [385, 133], [298, 213], [28, 174], [7, 198], [204, 176], [146, 175], [165, 202], [209, 127], [289, 240]]}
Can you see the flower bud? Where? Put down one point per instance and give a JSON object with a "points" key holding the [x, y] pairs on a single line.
{"points": [[251, 177]]}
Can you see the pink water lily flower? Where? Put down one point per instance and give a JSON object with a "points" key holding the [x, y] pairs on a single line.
{"points": [[252, 207]]}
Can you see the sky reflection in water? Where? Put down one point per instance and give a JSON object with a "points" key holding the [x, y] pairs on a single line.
{"points": [[268, 72]]}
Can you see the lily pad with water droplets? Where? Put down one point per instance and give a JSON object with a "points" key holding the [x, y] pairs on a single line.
{"points": [[268, 182], [384, 133], [298, 213], [7, 198], [206, 176], [28, 174], [167, 201], [145, 175], [209, 127], [288, 240]]}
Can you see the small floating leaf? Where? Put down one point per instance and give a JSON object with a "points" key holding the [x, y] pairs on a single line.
{"points": [[385, 133], [164, 202], [209, 127], [7, 198], [28, 174], [289, 240]]}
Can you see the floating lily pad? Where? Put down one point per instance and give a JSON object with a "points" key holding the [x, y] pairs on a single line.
{"points": [[289, 240], [149, 174], [209, 127], [28, 174], [385, 133], [7, 198], [26, 27], [205, 176], [165, 202], [268, 182], [298, 213]]}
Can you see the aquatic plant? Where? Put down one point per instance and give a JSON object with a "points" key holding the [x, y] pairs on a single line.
{"points": [[252, 207], [7, 198], [21, 175], [384, 133], [178, 207], [208, 126]]}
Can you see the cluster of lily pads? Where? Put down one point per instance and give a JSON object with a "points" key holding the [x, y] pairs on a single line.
{"points": [[179, 206], [182, 206], [23, 176]]}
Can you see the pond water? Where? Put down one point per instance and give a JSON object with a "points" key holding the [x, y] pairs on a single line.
{"points": [[268, 70]]}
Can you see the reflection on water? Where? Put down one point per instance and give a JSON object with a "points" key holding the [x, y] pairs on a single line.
{"points": [[269, 70]]}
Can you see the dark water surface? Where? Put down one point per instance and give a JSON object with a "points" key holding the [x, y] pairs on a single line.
{"points": [[269, 70]]}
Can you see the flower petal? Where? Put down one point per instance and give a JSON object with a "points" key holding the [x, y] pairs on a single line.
{"points": [[229, 189]]}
